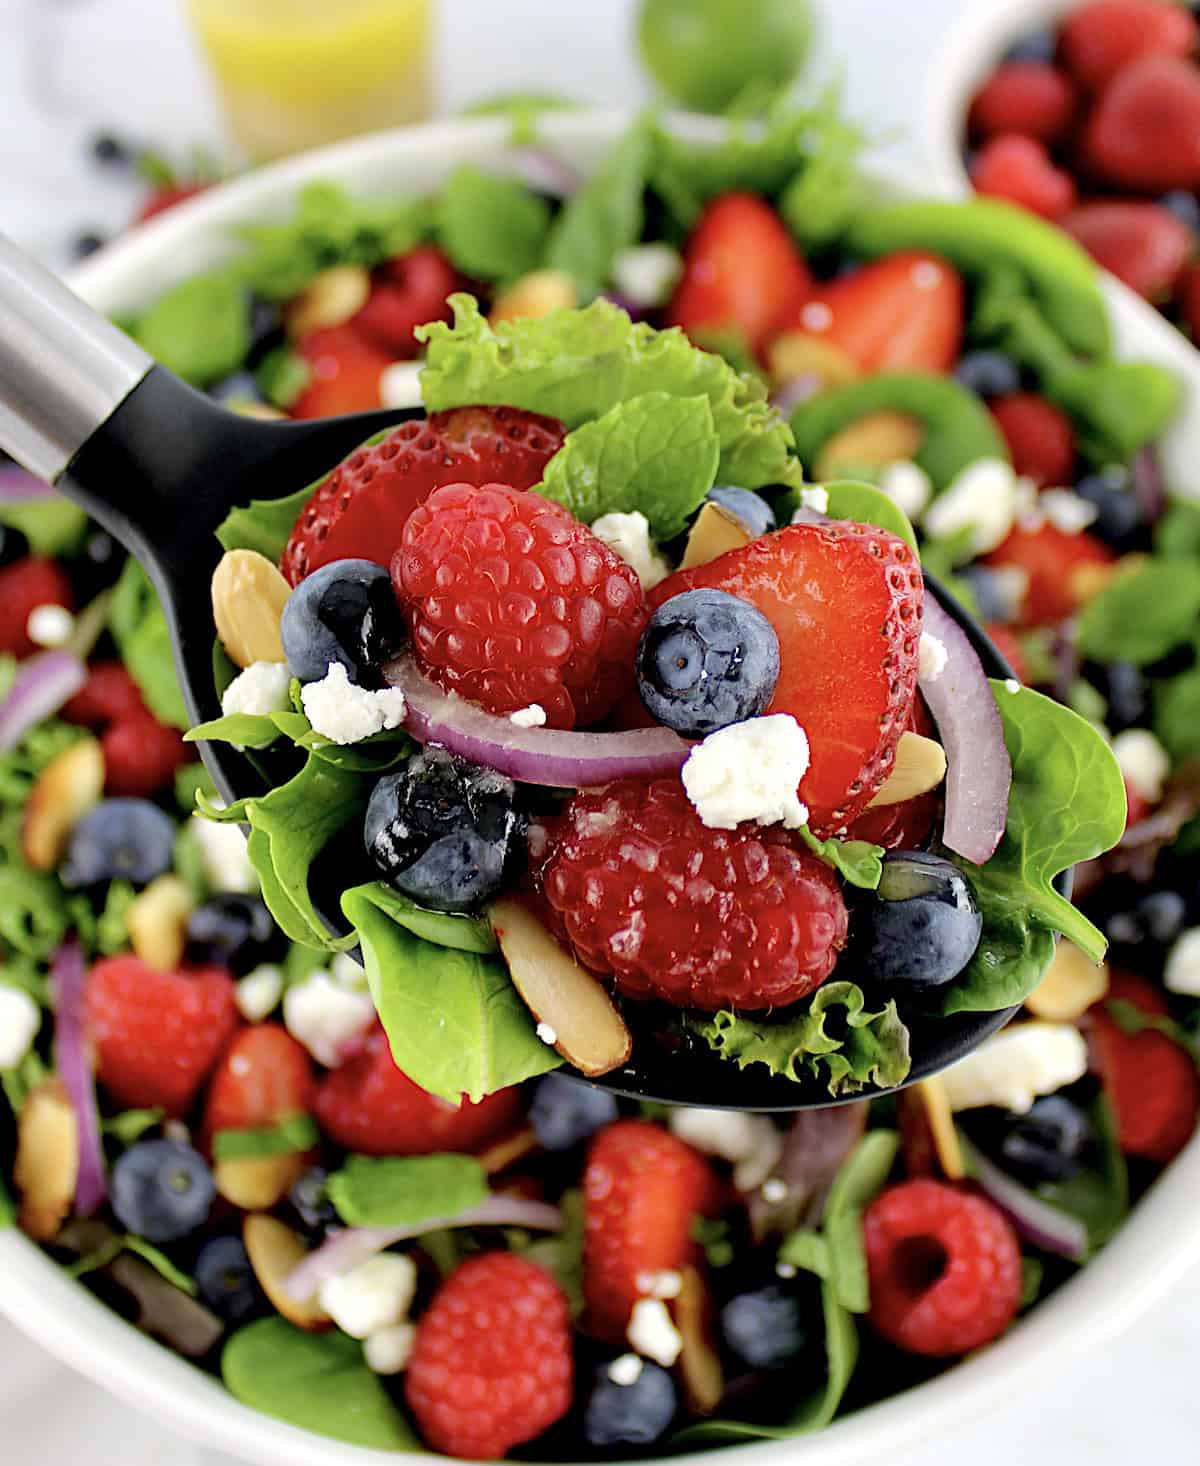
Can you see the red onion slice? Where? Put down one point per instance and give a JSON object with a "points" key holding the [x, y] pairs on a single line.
{"points": [[791, 394], [346, 1249], [546, 756], [19, 487], [1034, 1220], [1148, 487], [979, 770], [67, 979], [545, 172], [42, 684]]}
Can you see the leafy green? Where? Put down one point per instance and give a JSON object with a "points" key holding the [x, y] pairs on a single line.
{"points": [[713, 1235], [454, 1020], [34, 912], [1143, 613], [264, 525], [282, 376], [491, 227], [655, 453], [53, 526], [28, 975], [8, 1208], [139, 629], [1067, 805], [1177, 533], [1177, 714], [200, 329], [111, 1248], [562, 1253], [442, 928], [865, 504], [605, 216], [19, 1082], [110, 933], [872, 1050], [130, 1125], [21, 765], [402, 1191], [289, 1136], [857, 861], [577, 365], [1129, 1018], [243, 730], [819, 202], [318, 1382]]}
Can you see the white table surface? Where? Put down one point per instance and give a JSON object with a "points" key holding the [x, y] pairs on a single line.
{"points": [[70, 67]]}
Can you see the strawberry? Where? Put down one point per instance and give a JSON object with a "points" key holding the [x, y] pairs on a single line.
{"points": [[264, 1076], [141, 756], [360, 509], [1061, 568], [25, 585], [1040, 438], [642, 1188], [1142, 244], [904, 826], [1032, 98], [1151, 1081], [109, 695], [166, 197], [344, 372], [1187, 300], [1144, 132], [1137, 806], [368, 1105], [1009, 646], [903, 313], [157, 1035], [742, 272], [1020, 170], [1100, 38], [407, 292], [845, 601]]}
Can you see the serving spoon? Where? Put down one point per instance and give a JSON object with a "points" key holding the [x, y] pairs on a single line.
{"points": [[160, 465]]}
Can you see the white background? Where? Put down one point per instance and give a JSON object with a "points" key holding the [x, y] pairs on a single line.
{"points": [[68, 67]]}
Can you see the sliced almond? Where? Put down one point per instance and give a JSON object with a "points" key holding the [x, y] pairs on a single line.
{"points": [[257, 1183], [329, 299], [699, 1363], [157, 922], [874, 441], [715, 531], [248, 597], [1070, 987], [797, 354], [588, 1030], [534, 296], [920, 766], [69, 785], [504, 1153], [47, 1163], [275, 1251], [263, 411], [940, 1116]]}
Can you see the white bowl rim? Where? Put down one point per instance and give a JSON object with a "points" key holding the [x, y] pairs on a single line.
{"points": [[1157, 1246]]}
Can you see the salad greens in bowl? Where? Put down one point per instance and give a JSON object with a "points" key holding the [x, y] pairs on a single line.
{"points": [[462, 665]]}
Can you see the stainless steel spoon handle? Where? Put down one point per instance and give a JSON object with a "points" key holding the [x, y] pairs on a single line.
{"points": [[64, 369]]}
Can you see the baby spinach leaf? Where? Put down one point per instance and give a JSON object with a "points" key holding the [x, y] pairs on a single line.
{"points": [[857, 861], [282, 376], [655, 453], [131, 1125], [8, 1208], [490, 227], [401, 1191], [244, 730], [442, 928], [289, 1136], [264, 525], [455, 1022], [111, 1248], [860, 1179], [52, 525], [865, 504], [1177, 714], [1098, 1196], [200, 330], [577, 365], [1177, 533], [139, 629], [1143, 613], [1067, 805], [318, 1382], [874, 1049]]}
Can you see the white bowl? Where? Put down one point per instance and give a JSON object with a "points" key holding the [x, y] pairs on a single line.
{"points": [[1159, 1244]]}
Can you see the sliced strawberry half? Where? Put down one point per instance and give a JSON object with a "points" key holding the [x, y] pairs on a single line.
{"points": [[360, 509]]}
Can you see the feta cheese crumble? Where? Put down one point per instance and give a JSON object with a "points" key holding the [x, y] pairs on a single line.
{"points": [[1014, 1068], [932, 658], [257, 995], [1012, 685], [223, 856], [50, 625], [652, 1332], [547, 1034], [375, 1295], [749, 771], [534, 716], [982, 499], [785, 1270], [629, 536], [388, 1350], [774, 1191], [260, 690], [345, 713], [20, 1020], [909, 486], [666, 1284], [816, 498], [1182, 972], [400, 384], [751, 1143], [1067, 510], [1143, 761], [324, 1016], [646, 274], [625, 1370]]}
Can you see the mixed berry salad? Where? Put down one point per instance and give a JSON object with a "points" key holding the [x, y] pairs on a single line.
{"points": [[574, 701]]}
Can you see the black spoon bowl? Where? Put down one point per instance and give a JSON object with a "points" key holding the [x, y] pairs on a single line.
{"points": [[160, 465]]}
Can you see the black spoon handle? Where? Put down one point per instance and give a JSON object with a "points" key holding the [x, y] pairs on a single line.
{"points": [[64, 369]]}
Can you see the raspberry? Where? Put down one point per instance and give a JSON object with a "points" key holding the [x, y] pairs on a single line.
{"points": [[141, 756], [944, 1266], [642, 1188], [492, 1364], [1039, 437], [698, 917], [109, 695], [511, 601], [24, 586], [368, 1105], [1019, 169], [1031, 98]]}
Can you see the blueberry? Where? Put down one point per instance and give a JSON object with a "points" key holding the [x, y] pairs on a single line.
{"points": [[235, 931], [1119, 516], [1133, 917], [238, 388], [1126, 693], [707, 659], [1184, 205], [344, 612], [634, 1414], [923, 927], [1048, 1143], [445, 832], [752, 509], [1037, 46], [266, 330], [988, 373], [120, 839], [86, 244], [993, 593], [105, 148], [765, 1328], [310, 1201], [566, 1111], [161, 1190], [226, 1280]]}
